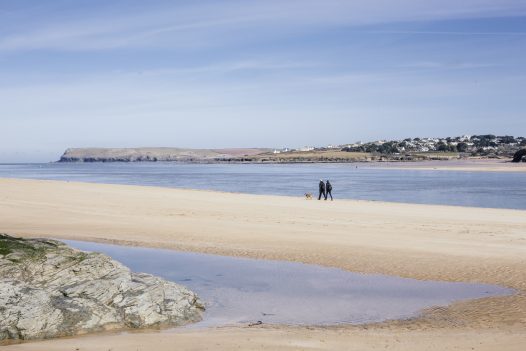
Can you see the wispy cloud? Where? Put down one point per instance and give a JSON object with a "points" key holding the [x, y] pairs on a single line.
{"points": [[212, 23], [466, 33], [448, 65], [230, 67]]}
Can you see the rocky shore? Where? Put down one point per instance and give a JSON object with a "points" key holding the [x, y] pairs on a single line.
{"points": [[48, 289]]}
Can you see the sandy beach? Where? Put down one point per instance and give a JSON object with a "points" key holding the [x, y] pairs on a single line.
{"points": [[469, 165], [417, 241]]}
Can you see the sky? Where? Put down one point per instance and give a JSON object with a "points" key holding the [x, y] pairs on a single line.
{"points": [[242, 73]]}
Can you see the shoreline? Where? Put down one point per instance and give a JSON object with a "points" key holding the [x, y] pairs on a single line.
{"points": [[470, 165], [460, 165], [415, 241]]}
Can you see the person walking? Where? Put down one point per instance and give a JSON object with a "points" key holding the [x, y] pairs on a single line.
{"points": [[322, 190], [328, 190]]}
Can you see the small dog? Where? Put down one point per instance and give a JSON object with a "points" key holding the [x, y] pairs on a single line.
{"points": [[308, 196]]}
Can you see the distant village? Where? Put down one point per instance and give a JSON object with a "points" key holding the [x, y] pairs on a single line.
{"points": [[469, 145]]}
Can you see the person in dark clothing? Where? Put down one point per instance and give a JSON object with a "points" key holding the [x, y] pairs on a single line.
{"points": [[328, 190], [322, 190]]}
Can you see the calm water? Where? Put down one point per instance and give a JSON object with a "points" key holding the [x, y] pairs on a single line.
{"points": [[480, 189], [237, 290]]}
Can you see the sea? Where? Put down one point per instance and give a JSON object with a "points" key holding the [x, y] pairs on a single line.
{"points": [[349, 181]]}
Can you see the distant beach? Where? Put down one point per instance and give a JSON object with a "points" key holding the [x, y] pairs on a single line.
{"points": [[466, 165]]}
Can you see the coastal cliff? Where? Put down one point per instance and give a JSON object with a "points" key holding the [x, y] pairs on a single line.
{"points": [[48, 289], [155, 154], [253, 155]]}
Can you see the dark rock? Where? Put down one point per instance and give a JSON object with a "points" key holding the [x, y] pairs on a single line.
{"points": [[519, 156]]}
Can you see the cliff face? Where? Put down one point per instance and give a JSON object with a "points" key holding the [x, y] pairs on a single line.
{"points": [[153, 154], [48, 290]]}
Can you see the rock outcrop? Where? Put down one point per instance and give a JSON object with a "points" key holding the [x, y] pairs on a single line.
{"points": [[519, 156], [48, 289]]}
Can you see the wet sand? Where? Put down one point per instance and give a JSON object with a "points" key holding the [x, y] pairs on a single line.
{"points": [[416, 241]]}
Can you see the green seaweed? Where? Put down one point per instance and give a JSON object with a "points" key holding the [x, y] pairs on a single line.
{"points": [[9, 244]]}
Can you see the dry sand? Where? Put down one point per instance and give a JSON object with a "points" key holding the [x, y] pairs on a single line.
{"points": [[418, 241]]}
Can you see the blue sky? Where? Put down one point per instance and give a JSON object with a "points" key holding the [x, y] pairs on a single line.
{"points": [[246, 73]]}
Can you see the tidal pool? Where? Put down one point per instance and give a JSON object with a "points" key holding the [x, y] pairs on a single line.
{"points": [[239, 290]]}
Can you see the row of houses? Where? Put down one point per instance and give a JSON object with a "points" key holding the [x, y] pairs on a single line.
{"points": [[473, 144]]}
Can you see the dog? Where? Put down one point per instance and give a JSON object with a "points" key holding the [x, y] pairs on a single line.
{"points": [[308, 196]]}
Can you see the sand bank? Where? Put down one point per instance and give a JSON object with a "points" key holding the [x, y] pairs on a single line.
{"points": [[470, 165], [417, 241]]}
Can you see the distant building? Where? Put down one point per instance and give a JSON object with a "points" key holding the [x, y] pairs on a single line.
{"points": [[306, 148], [279, 151]]}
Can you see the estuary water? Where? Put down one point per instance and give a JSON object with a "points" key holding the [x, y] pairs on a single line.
{"points": [[350, 181], [243, 291]]}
